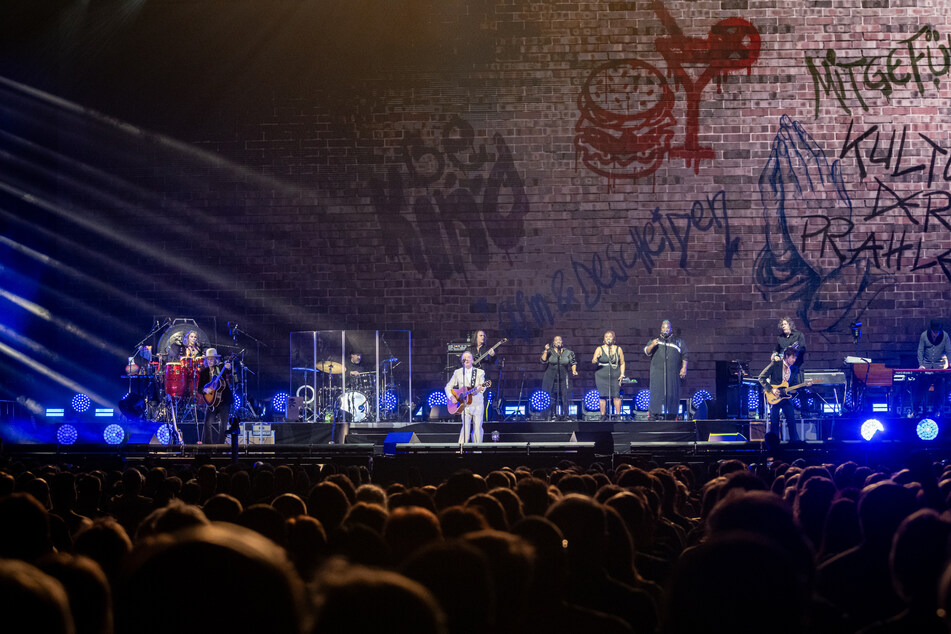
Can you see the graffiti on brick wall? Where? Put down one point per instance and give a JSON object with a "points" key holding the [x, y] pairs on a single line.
{"points": [[452, 203], [584, 284], [626, 125], [817, 253], [920, 60]]}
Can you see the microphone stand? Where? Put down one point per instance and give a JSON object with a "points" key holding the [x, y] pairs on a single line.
{"points": [[518, 406], [235, 331], [498, 399]]}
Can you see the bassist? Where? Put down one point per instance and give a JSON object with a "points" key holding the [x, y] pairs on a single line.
{"points": [[219, 401], [778, 373], [483, 355], [469, 377]]}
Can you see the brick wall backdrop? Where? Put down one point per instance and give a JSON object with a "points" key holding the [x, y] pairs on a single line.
{"points": [[530, 168]]}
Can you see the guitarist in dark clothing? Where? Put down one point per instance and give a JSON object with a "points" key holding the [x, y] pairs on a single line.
{"points": [[479, 348], [217, 397], [775, 378]]}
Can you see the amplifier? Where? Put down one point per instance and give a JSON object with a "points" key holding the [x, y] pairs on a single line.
{"points": [[456, 348]]}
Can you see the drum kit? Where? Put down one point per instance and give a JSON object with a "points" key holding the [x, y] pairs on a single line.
{"points": [[171, 389], [339, 395]]}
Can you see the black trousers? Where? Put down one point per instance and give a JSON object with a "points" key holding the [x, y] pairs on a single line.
{"points": [[786, 407]]}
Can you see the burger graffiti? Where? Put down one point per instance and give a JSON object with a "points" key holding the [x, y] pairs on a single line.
{"points": [[626, 123]]}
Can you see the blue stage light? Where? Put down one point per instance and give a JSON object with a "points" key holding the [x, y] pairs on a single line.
{"points": [[592, 401], [540, 400], [699, 397], [113, 434], [927, 429], [279, 402], [642, 401], [162, 434], [237, 401], [870, 428], [388, 401], [80, 403], [66, 435], [752, 397], [437, 397]]}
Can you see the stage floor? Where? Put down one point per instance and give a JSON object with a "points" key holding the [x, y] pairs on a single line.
{"points": [[394, 450]]}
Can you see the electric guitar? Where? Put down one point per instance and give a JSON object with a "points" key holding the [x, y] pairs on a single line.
{"points": [[785, 391], [463, 397], [214, 389], [486, 353]]}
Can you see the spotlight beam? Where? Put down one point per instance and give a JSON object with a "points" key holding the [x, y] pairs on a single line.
{"points": [[54, 375]]}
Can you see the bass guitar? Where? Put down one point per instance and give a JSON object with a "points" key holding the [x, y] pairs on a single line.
{"points": [[785, 391], [463, 397], [486, 353], [214, 389]]}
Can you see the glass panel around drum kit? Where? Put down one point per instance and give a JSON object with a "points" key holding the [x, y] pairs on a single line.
{"points": [[357, 376]]}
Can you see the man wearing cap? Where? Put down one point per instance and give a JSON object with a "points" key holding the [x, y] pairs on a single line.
{"points": [[219, 393], [934, 349]]}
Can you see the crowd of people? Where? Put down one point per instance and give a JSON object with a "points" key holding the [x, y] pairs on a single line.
{"points": [[717, 547]]}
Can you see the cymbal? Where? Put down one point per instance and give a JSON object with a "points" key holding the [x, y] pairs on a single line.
{"points": [[330, 367], [305, 369]]}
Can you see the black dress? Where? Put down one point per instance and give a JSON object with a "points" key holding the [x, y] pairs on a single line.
{"points": [[555, 381], [608, 372], [666, 360]]}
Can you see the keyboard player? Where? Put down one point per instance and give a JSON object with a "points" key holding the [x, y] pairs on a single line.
{"points": [[934, 349]]}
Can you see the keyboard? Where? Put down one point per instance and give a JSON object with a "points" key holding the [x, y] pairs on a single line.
{"points": [[910, 374]]}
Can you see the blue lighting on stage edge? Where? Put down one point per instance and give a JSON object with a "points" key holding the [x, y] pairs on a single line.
{"points": [[388, 401], [162, 434], [437, 397], [642, 401], [870, 428], [699, 397], [66, 435], [113, 434], [279, 402], [591, 403], [105, 412], [540, 400], [55, 412], [927, 429]]}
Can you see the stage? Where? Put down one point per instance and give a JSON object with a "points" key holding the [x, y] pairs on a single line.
{"points": [[392, 451]]}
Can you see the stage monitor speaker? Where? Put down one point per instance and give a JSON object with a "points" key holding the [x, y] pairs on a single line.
{"points": [[293, 411], [603, 440], [726, 438], [395, 438], [439, 412]]}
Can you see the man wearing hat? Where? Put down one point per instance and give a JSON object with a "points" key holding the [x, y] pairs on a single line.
{"points": [[934, 349], [214, 381]]}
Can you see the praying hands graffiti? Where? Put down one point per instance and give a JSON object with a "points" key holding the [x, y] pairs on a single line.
{"points": [[809, 257]]}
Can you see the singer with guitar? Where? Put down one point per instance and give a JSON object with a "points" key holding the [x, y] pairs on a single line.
{"points": [[775, 379], [215, 382], [465, 388], [558, 360]]}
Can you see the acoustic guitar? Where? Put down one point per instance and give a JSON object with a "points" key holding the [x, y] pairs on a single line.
{"points": [[785, 391], [463, 397], [214, 389]]}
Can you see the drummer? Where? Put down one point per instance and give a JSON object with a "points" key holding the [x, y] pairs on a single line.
{"points": [[188, 347], [354, 365]]}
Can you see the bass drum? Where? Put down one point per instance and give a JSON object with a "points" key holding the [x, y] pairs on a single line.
{"points": [[355, 404], [174, 379]]}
